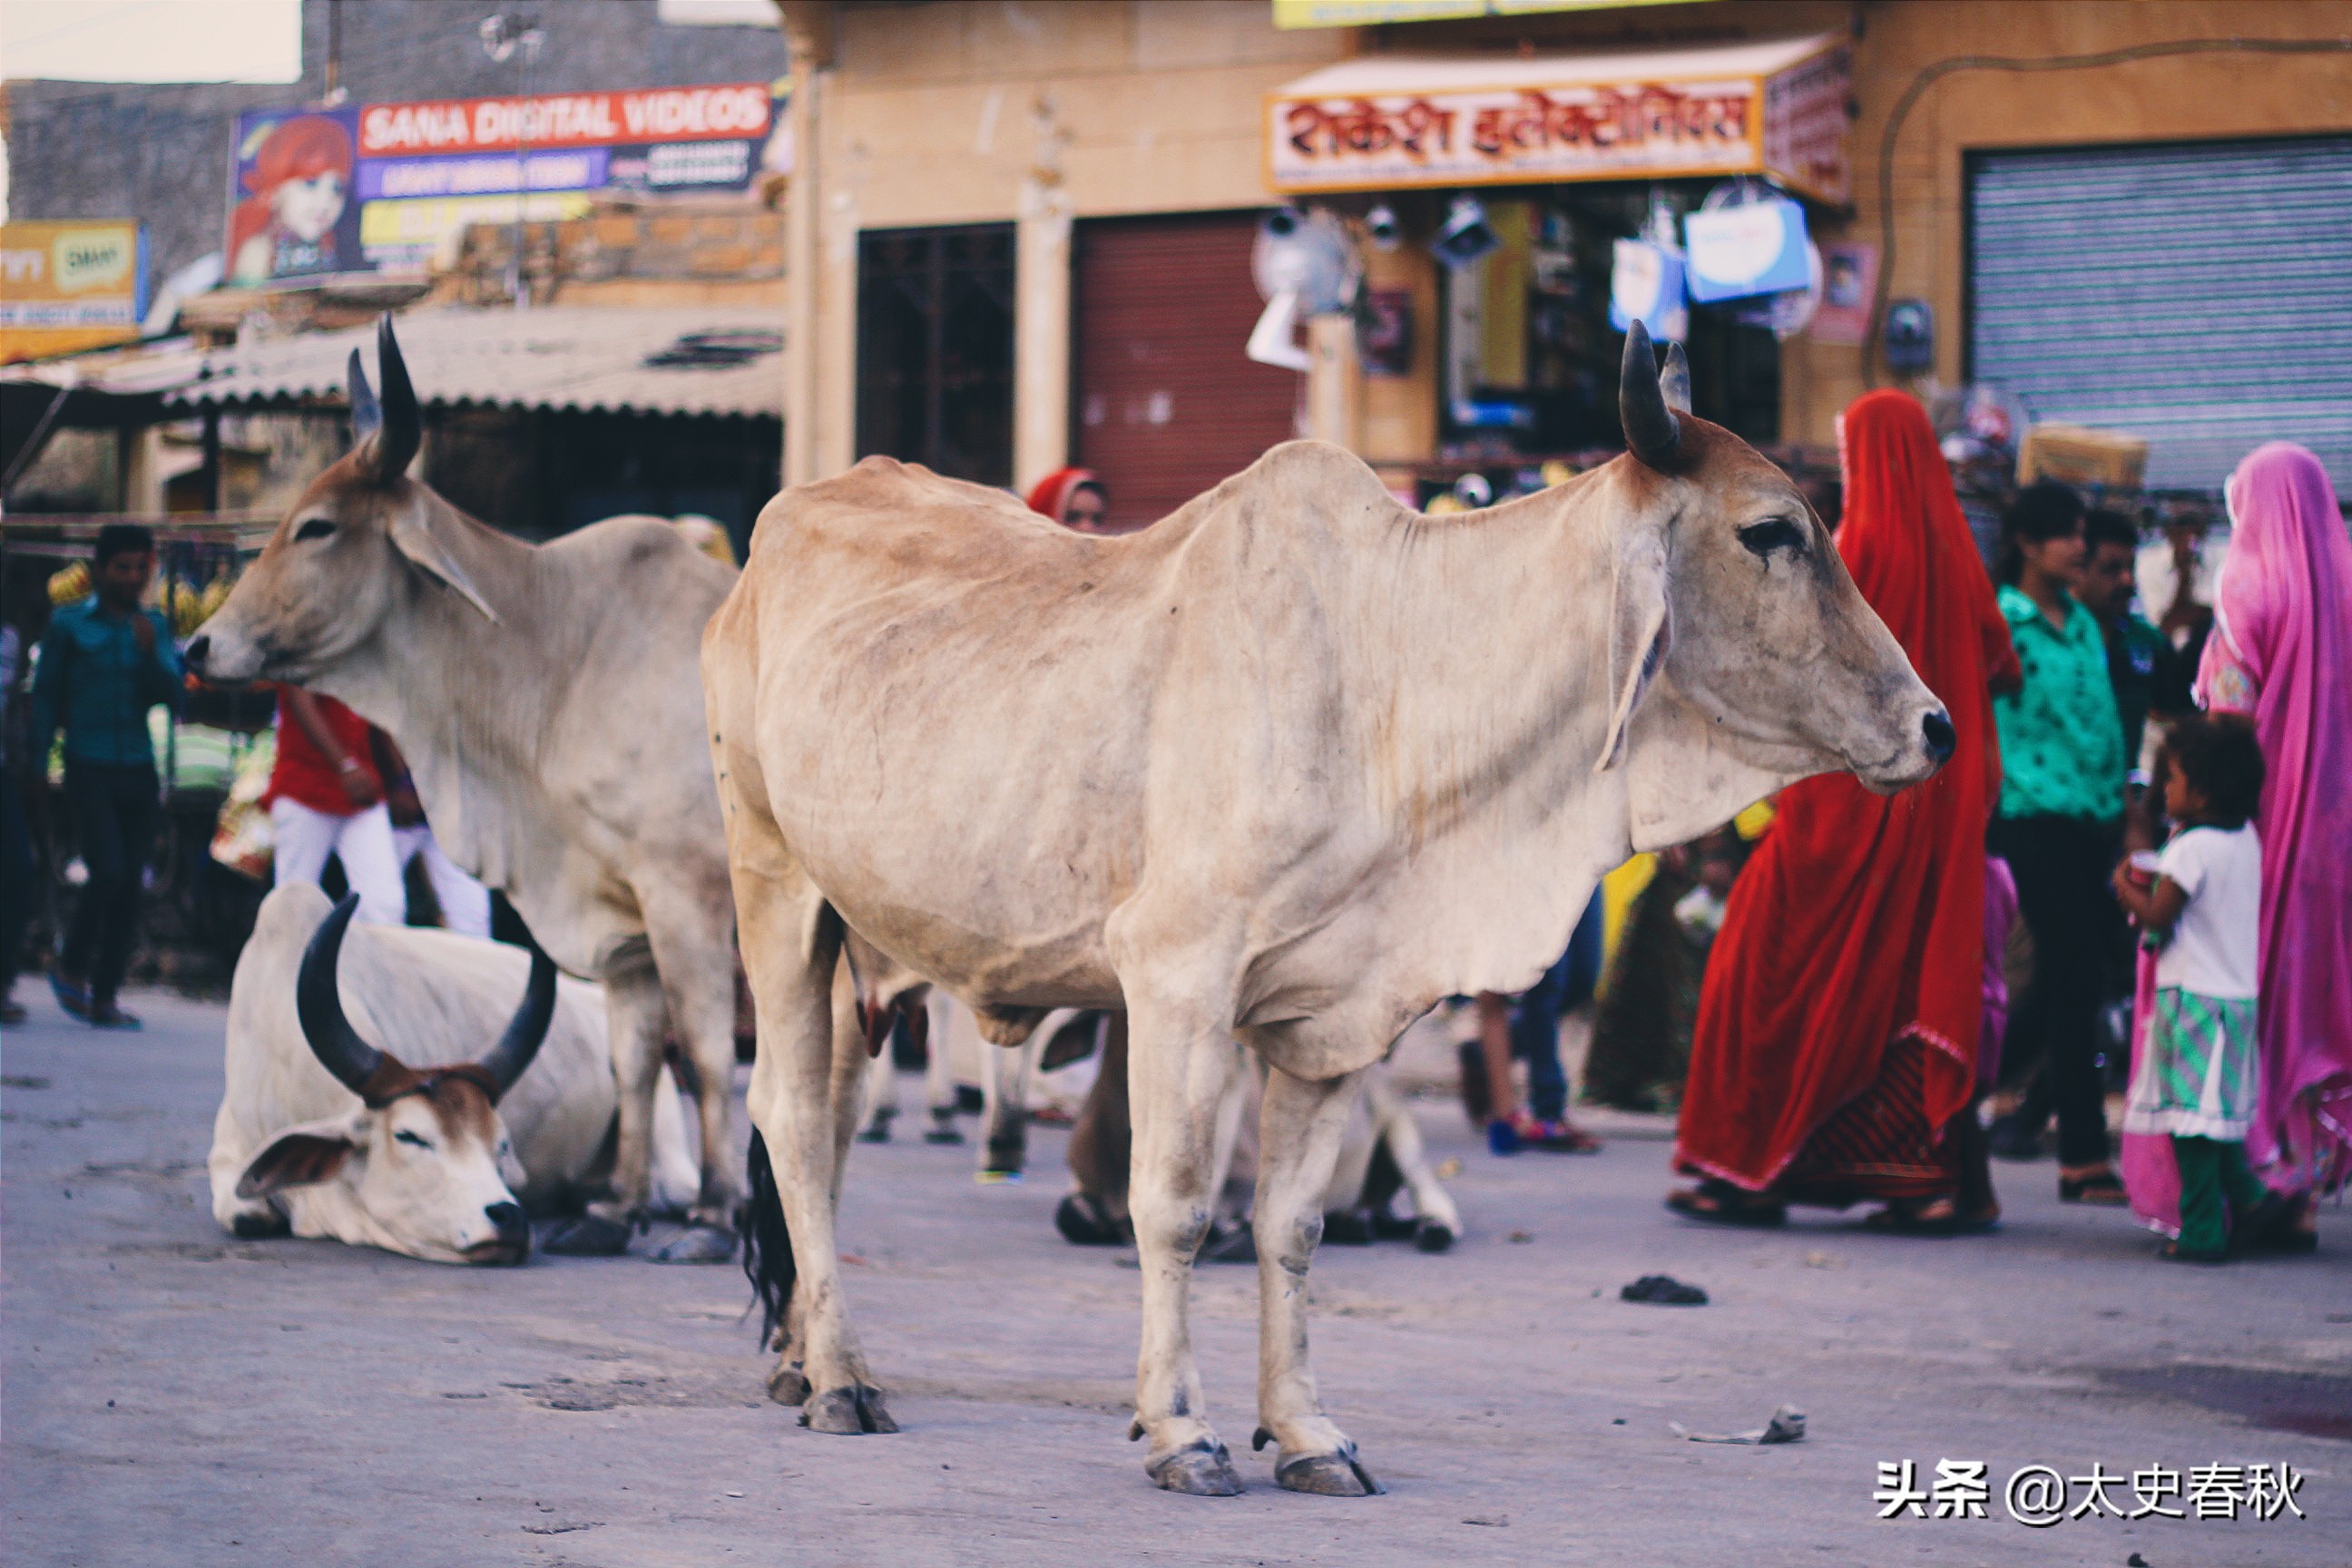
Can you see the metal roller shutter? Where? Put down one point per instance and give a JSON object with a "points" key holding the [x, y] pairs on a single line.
{"points": [[1164, 402], [2198, 296]]}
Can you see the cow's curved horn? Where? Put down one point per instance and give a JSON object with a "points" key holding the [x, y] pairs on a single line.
{"points": [[1650, 432], [355, 1063], [527, 1031], [367, 415], [403, 429]]}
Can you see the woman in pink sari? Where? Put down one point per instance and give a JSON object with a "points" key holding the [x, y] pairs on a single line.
{"points": [[2282, 654]]}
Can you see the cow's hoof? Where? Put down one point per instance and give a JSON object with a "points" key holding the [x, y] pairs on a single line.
{"points": [[1084, 1222], [1202, 1471], [788, 1384], [586, 1235], [944, 1135], [1348, 1227], [260, 1226], [878, 1134], [1327, 1475], [1431, 1237], [697, 1244], [847, 1412]]}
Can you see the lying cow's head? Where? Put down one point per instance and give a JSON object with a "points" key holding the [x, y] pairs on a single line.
{"points": [[423, 1154], [1731, 600], [360, 542]]}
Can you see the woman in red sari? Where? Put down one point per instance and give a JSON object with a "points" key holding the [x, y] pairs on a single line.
{"points": [[1835, 1055]]}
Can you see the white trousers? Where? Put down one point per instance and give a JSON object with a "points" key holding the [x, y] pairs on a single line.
{"points": [[465, 902], [363, 841]]}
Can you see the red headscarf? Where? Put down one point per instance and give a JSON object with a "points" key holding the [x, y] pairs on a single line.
{"points": [[1861, 919], [1049, 495]]}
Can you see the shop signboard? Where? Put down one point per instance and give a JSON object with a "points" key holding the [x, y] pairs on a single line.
{"points": [[1645, 285], [1849, 280], [383, 187], [1382, 122], [1377, 13], [1738, 252], [70, 285]]}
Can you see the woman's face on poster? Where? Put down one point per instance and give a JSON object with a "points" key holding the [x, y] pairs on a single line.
{"points": [[309, 208]]}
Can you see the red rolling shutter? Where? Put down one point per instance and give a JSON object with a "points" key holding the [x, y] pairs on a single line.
{"points": [[1164, 403]]}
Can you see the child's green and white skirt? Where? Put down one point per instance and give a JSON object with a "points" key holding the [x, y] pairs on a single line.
{"points": [[2197, 1074]]}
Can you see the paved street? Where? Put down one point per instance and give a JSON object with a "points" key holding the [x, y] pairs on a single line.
{"points": [[176, 1396]]}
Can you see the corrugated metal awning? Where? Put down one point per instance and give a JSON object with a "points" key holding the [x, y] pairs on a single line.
{"points": [[666, 360]]}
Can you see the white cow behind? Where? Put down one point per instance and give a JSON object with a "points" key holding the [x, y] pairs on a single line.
{"points": [[549, 699], [376, 1091]]}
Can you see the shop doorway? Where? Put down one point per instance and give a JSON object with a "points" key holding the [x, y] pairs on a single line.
{"points": [[934, 349], [2194, 295], [1529, 360], [1164, 403]]}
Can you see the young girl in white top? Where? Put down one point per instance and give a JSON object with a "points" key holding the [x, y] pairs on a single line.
{"points": [[2199, 1075]]}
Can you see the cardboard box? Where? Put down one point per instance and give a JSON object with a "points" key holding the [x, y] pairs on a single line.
{"points": [[2074, 455]]}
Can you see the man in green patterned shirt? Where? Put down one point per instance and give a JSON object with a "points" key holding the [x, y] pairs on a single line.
{"points": [[2058, 825]]}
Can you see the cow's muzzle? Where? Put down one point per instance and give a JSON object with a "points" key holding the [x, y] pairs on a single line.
{"points": [[1925, 750], [512, 1244]]}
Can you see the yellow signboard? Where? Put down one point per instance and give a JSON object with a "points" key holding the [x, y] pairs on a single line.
{"points": [[1371, 13], [69, 285]]}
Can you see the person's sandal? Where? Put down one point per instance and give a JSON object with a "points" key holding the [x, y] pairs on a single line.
{"points": [[71, 996], [1720, 1203], [2103, 1190], [1560, 1137], [1908, 1217], [2275, 1225], [2172, 1252]]}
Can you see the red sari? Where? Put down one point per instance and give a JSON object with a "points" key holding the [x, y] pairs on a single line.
{"points": [[1837, 1029]]}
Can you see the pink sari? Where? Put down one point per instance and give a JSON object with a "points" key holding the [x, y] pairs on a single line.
{"points": [[2282, 652]]}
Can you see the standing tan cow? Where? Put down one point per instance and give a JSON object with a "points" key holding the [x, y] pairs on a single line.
{"points": [[548, 698], [1293, 764]]}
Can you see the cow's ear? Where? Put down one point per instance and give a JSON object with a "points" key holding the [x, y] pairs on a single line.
{"points": [[412, 535], [299, 1157], [1639, 633], [1673, 381]]}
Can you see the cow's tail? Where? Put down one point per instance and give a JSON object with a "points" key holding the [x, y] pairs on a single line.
{"points": [[767, 1242]]}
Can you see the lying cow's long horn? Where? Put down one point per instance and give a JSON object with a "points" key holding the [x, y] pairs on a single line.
{"points": [[404, 424], [528, 1029], [1652, 434], [317, 1004]]}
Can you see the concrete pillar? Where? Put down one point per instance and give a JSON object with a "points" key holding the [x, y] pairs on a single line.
{"points": [[1041, 332], [807, 33], [138, 452], [1335, 383]]}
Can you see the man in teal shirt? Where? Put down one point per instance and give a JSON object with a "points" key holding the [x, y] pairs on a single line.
{"points": [[2140, 658], [104, 663], [2061, 801]]}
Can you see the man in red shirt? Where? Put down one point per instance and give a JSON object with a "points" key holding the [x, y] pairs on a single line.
{"points": [[326, 797]]}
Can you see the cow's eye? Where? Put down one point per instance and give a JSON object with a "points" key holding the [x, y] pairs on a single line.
{"points": [[316, 528], [404, 1136], [1774, 533]]}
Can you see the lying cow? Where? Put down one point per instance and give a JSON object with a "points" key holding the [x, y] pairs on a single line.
{"points": [[1294, 764], [327, 1130]]}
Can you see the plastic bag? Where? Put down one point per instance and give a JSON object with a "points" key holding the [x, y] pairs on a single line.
{"points": [[243, 839]]}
